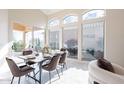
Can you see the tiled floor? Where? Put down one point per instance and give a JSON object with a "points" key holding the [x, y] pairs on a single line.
{"points": [[77, 73]]}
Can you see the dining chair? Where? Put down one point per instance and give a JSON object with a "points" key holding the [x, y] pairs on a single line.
{"points": [[18, 71], [63, 49], [52, 65], [28, 52], [62, 61]]}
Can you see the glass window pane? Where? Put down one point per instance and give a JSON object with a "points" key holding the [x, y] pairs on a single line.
{"points": [[70, 40], [39, 40], [18, 35], [92, 40], [18, 44], [28, 39], [54, 40], [53, 22], [70, 19], [93, 14]]}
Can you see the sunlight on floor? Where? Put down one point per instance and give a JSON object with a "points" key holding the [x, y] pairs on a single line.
{"points": [[73, 76]]}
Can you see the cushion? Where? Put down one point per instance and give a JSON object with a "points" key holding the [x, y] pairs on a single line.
{"points": [[26, 68], [104, 64]]}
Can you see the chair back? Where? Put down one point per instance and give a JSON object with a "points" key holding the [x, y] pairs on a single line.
{"points": [[63, 49], [54, 62], [62, 58], [27, 52], [13, 67]]}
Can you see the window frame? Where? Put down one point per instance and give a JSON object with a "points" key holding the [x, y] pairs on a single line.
{"points": [[53, 20], [73, 22], [91, 11], [94, 20]]}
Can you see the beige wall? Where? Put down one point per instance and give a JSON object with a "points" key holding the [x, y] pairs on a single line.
{"points": [[114, 41]]}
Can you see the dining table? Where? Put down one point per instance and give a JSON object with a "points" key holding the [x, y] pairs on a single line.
{"points": [[38, 59]]}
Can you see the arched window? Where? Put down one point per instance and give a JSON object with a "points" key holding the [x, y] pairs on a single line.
{"points": [[53, 22], [54, 34], [70, 36], [93, 14], [70, 19], [93, 35]]}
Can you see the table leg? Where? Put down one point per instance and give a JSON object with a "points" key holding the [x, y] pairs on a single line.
{"points": [[40, 68]]}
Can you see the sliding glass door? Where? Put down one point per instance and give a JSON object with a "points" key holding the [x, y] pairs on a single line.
{"points": [[70, 41], [93, 35]]}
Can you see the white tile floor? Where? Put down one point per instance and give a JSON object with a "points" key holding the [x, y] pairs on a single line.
{"points": [[77, 73]]}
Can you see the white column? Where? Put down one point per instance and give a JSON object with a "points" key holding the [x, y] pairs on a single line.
{"points": [[47, 36], [33, 29], [24, 39], [10, 31], [79, 38], [60, 34]]}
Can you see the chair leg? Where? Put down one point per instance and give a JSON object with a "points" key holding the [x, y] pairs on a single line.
{"points": [[62, 69], [12, 79], [66, 66], [50, 77], [58, 73], [19, 80]]}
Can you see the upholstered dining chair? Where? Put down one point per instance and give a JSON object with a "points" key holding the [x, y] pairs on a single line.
{"points": [[28, 52], [62, 61], [18, 71], [52, 65], [63, 49]]}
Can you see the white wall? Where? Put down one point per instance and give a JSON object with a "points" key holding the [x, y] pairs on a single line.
{"points": [[3, 27], [65, 12], [29, 17], [114, 43], [3, 37]]}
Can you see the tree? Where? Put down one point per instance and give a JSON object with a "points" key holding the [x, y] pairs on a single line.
{"points": [[70, 43]]}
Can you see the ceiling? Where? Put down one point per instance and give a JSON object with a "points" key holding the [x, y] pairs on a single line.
{"points": [[50, 11]]}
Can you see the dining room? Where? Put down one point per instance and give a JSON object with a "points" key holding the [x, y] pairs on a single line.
{"points": [[47, 46], [29, 52]]}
